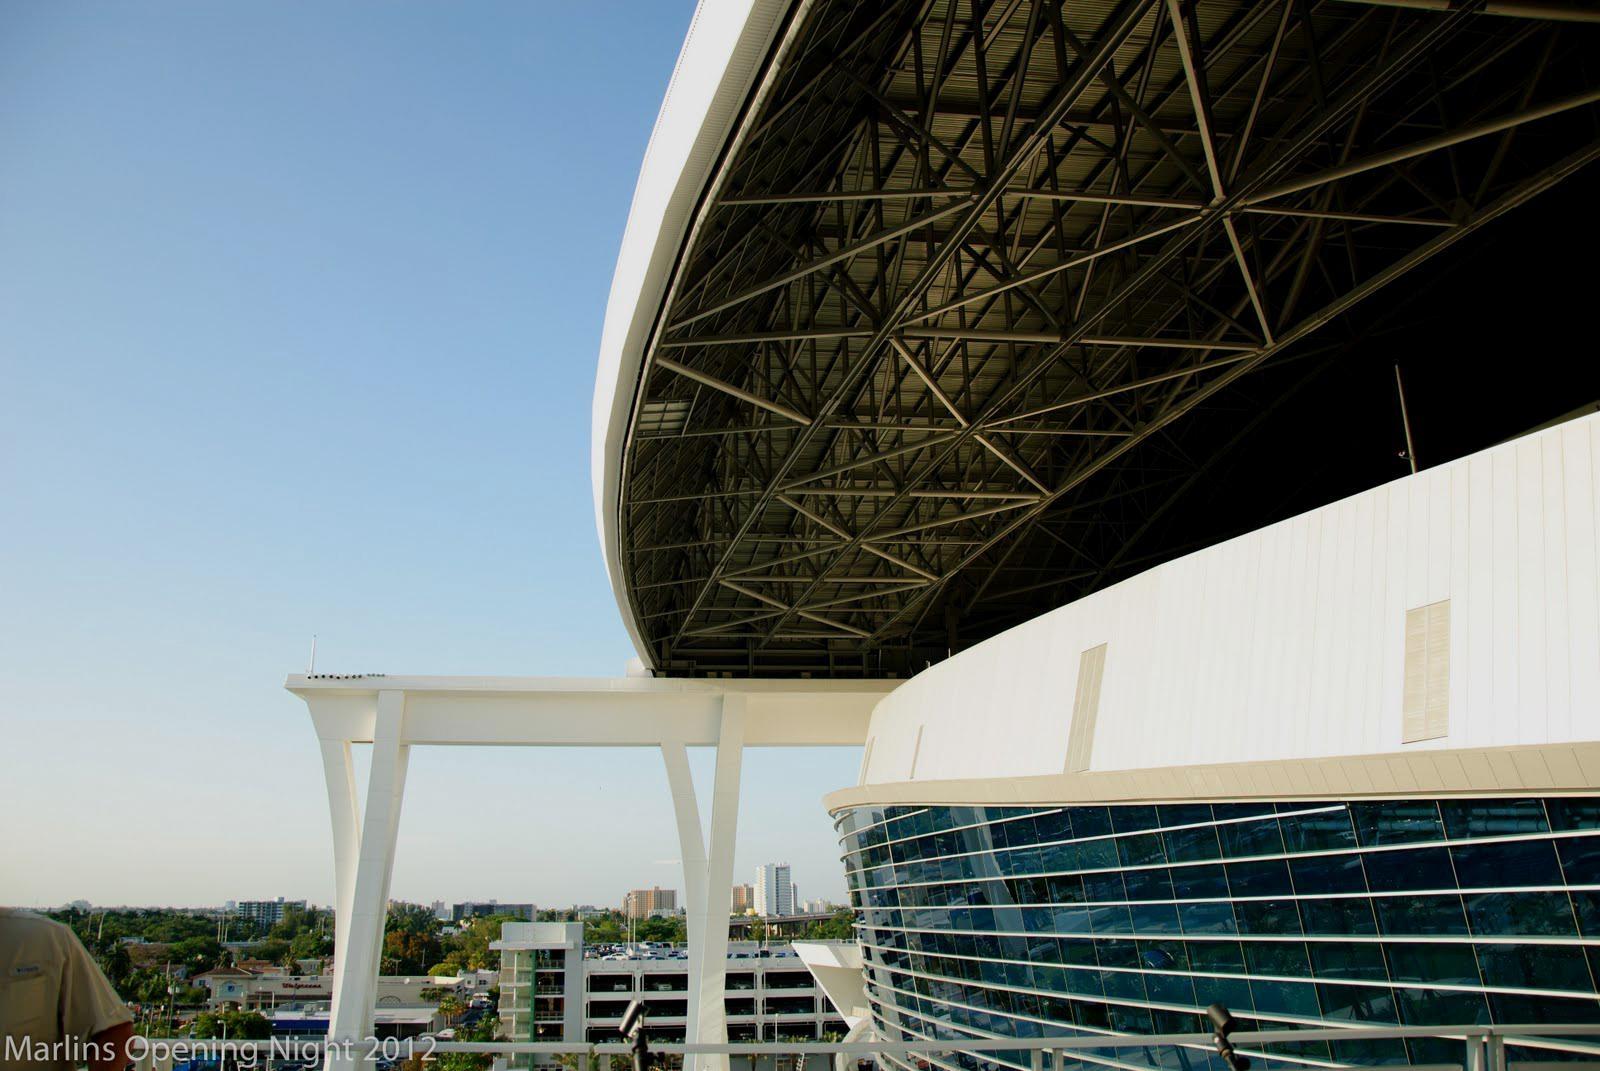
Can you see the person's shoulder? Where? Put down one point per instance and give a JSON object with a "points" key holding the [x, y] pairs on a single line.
{"points": [[18, 924]]}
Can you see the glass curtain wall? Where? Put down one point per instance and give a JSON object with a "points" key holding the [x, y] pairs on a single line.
{"points": [[1083, 920]]}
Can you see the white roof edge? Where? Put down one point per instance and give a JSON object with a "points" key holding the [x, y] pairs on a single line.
{"points": [[716, 72]]}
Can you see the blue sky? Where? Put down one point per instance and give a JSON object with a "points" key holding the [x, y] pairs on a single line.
{"points": [[299, 313]]}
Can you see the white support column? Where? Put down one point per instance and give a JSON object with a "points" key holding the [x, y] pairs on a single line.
{"points": [[711, 1024], [344, 808], [355, 983], [692, 848]]}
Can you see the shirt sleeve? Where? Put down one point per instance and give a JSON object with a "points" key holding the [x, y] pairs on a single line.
{"points": [[88, 1004]]}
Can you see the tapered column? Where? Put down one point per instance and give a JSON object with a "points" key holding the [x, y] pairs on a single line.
{"points": [[355, 980], [344, 808], [692, 850], [708, 875], [711, 1023]]}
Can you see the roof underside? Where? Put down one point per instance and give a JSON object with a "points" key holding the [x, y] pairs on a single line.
{"points": [[994, 304]]}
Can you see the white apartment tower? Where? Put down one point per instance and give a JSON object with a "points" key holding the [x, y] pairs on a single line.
{"points": [[774, 891]]}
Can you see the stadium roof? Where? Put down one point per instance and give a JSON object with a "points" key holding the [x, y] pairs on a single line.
{"points": [[933, 315]]}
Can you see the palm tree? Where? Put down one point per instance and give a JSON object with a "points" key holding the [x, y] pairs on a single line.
{"points": [[451, 1008]]}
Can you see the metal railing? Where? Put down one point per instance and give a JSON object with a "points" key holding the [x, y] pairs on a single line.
{"points": [[1484, 1048]]}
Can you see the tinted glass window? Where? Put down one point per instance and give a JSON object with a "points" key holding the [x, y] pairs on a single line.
{"points": [[1277, 957], [1148, 884], [1396, 822], [1199, 882], [1133, 819], [1439, 964], [1265, 877], [1361, 1003], [1419, 868], [1580, 859], [1544, 914], [1534, 967], [1328, 874], [1427, 915], [1192, 845], [1421, 1007], [1141, 849], [1352, 915], [1225, 956], [1327, 831], [1492, 818], [1267, 916], [1335, 959], [1204, 918], [1089, 821], [1251, 838], [1509, 863], [1574, 813]]}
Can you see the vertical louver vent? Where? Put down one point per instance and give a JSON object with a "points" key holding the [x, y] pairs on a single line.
{"points": [[1426, 703], [1085, 708]]}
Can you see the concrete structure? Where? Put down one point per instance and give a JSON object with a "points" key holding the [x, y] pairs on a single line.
{"points": [[960, 346], [774, 890], [654, 902], [396, 714], [744, 899], [552, 991]]}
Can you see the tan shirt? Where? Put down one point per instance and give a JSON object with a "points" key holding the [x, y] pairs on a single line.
{"points": [[53, 996]]}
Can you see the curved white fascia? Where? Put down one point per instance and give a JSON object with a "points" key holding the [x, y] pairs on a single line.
{"points": [[1290, 642], [715, 77]]}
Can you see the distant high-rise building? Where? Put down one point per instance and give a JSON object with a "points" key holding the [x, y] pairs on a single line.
{"points": [[267, 913], [744, 898], [774, 891], [650, 903]]}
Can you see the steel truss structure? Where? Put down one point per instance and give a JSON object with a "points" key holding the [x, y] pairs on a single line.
{"points": [[982, 290]]}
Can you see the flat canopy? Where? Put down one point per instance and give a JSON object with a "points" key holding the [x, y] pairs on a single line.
{"points": [[933, 315]]}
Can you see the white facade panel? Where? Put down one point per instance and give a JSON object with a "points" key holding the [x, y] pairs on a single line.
{"points": [[1289, 642]]}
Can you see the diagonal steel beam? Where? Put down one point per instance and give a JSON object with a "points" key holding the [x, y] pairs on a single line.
{"points": [[733, 391]]}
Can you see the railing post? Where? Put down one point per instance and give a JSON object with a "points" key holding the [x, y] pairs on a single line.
{"points": [[1495, 1053]]}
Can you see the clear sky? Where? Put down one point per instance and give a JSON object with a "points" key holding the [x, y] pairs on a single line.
{"points": [[299, 312]]}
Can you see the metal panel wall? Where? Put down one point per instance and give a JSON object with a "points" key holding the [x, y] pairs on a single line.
{"points": [[1289, 642]]}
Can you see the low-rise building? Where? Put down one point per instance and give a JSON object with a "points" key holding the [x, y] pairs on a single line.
{"points": [[309, 1021], [266, 989], [476, 909]]}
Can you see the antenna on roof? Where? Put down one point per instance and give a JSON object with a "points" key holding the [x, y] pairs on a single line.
{"points": [[1410, 452], [312, 669]]}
